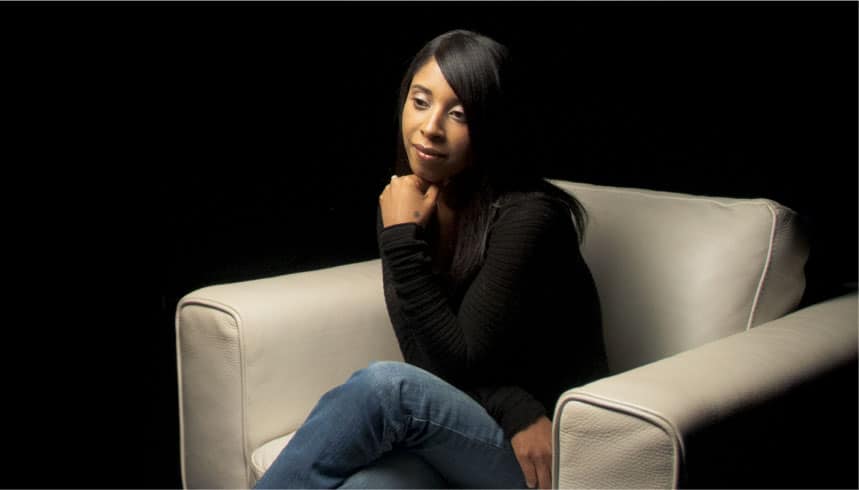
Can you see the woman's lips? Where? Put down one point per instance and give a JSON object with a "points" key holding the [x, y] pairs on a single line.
{"points": [[428, 153]]}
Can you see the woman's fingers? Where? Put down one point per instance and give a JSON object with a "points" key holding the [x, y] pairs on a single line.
{"points": [[528, 471], [431, 194], [388, 186], [537, 472], [406, 199], [533, 449], [544, 472]]}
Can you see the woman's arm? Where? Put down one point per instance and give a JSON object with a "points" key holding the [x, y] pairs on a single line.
{"points": [[471, 340]]}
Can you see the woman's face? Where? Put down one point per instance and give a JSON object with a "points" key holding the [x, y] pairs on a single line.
{"points": [[435, 131]]}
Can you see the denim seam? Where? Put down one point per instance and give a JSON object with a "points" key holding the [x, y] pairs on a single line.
{"points": [[471, 438]]}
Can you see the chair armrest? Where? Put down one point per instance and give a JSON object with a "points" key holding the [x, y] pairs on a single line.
{"points": [[709, 414], [254, 357]]}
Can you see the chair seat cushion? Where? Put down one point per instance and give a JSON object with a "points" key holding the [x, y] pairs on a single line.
{"points": [[264, 456]]}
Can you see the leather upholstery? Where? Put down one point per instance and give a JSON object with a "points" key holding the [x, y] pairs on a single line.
{"points": [[673, 272], [263, 457], [255, 356], [630, 430], [605, 448]]}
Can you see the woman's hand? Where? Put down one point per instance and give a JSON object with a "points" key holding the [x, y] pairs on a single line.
{"points": [[533, 448], [408, 199]]}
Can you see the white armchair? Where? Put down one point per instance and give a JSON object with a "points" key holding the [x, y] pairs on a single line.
{"points": [[682, 281]]}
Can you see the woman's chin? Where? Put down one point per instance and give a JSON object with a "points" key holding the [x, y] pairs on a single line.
{"points": [[424, 174]]}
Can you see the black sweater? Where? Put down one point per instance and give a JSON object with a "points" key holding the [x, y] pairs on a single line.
{"points": [[525, 329]]}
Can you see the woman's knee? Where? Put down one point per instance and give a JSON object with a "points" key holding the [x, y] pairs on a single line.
{"points": [[387, 378]]}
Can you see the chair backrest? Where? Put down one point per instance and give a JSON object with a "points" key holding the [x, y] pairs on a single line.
{"points": [[675, 271]]}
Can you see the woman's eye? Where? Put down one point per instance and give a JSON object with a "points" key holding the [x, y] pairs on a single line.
{"points": [[420, 103], [458, 115]]}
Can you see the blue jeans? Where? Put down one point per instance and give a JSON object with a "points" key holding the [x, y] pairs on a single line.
{"points": [[394, 425]]}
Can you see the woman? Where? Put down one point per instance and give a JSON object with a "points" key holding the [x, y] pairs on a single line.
{"points": [[494, 309]]}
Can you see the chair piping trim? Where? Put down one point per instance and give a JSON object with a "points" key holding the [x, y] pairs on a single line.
{"points": [[766, 267], [181, 415], [242, 368], [642, 413], [654, 194], [739, 202]]}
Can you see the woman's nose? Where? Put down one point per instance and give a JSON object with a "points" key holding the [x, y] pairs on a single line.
{"points": [[433, 126]]}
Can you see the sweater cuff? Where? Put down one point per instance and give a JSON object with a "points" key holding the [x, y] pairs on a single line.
{"points": [[394, 234], [406, 255], [521, 416]]}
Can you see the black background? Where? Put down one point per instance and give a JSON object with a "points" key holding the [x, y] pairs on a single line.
{"points": [[154, 148]]}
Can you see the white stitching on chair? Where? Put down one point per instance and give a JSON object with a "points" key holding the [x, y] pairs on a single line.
{"points": [[767, 262]]}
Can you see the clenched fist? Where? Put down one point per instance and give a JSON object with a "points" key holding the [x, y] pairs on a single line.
{"points": [[408, 199]]}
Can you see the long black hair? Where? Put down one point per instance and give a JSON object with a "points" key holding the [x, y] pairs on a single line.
{"points": [[503, 140]]}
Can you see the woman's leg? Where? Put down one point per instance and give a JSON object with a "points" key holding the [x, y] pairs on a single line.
{"points": [[396, 469], [393, 405]]}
